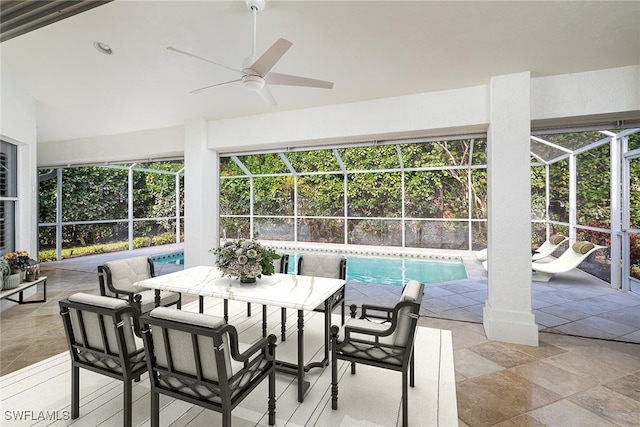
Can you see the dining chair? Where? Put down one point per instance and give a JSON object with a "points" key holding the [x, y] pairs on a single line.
{"points": [[331, 266], [197, 358], [100, 333], [382, 337], [117, 279]]}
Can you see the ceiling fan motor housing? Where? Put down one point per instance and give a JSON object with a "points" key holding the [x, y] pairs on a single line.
{"points": [[257, 4]]}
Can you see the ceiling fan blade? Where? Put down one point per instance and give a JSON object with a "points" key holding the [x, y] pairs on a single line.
{"points": [[267, 97], [173, 49], [217, 84], [269, 58], [289, 80]]}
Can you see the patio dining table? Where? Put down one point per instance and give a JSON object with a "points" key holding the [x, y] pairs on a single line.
{"points": [[302, 293]]}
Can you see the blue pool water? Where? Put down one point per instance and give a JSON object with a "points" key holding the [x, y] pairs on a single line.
{"points": [[376, 270]]}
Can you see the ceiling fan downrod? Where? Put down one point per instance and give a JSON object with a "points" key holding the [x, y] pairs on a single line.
{"points": [[255, 6]]}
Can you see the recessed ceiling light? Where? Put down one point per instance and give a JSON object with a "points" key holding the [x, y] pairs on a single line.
{"points": [[102, 48]]}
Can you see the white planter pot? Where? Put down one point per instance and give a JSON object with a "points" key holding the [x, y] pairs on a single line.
{"points": [[12, 281]]}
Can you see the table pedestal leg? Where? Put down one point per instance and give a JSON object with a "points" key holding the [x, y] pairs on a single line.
{"points": [[264, 320], [301, 382]]}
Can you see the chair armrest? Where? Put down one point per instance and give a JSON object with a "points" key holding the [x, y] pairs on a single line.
{"points": [[364, 328], [245, 356], [376, 312]]}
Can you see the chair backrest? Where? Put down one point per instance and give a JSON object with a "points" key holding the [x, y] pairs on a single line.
{"points": [[549, 246], [180, 349], [331, 266], [407, 314], [191, 354], [122, 274], [281, 265], [100, 330]]}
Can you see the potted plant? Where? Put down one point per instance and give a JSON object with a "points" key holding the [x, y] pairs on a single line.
{"points": [[245, 260], [18, 262]]}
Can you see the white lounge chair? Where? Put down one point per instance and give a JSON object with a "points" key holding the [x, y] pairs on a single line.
{"points": [[546, 249], [570, 259], [550, 245]]}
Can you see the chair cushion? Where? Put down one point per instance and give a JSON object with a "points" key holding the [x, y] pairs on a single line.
{"points": [[321, 265], [92, 324], [148, 299], [126, 272], [98, 300], [188, 317], [556, 239], [181, 344], [411, 291], [582, 247]]}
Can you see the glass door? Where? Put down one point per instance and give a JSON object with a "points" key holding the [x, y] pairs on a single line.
{"points": [[631, 223]]}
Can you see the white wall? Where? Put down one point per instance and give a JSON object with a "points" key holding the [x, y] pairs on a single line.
{"points": [[140, 145], [436, 113], [614, 91], [18, 126]]}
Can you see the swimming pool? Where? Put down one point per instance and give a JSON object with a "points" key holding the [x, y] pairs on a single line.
{"points": [[394, 271]]}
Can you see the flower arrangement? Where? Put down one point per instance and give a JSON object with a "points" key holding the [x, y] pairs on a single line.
{"points": [[245, 259], [18, 261]]}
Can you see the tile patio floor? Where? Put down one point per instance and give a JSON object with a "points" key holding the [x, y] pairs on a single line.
{"points": [[569, 380]]}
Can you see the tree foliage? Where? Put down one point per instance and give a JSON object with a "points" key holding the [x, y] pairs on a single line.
{"points": [[430, 183], [100, 193]]}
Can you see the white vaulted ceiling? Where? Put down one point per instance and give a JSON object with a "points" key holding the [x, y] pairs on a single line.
{"points": [[369, 49]]}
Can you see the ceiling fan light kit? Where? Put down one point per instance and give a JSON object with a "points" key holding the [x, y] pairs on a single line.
{"points": [[253, 82], [256, 72]]}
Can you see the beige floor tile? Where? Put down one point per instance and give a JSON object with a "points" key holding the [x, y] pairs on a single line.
{"points": [[502, 354], [579, 365], [521, 421], [621, 356], [609, 404], [567, 414], [558, 380], [478, 408], [464, 337], [516, 391], [473, 365], [628, 386]]}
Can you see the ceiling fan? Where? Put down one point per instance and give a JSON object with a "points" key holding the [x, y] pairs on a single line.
{"points": [[256, 71]]}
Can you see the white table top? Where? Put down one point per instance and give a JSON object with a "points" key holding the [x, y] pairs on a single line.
{"points": [[280, 290]]}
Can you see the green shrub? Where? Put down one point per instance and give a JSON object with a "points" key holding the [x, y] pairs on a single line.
{"points": [[164, 239]]}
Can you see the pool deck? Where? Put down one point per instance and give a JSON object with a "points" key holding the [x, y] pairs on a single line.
{"points": [[573, 303]]}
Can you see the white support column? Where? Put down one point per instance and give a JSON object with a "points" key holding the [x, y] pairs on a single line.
{"points": [[201, 195], [616, 211], [507, 313]]}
